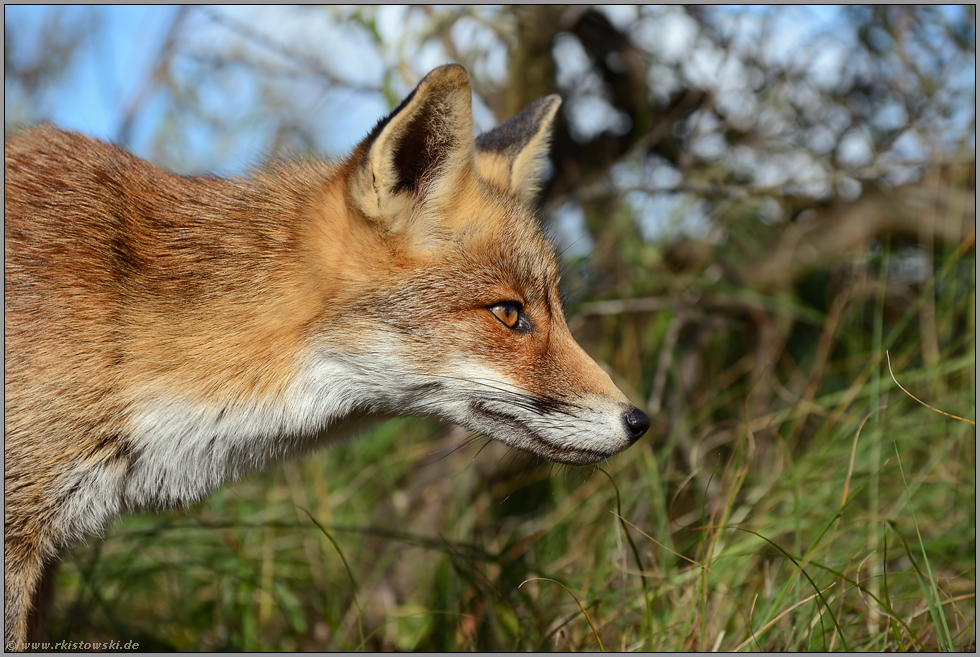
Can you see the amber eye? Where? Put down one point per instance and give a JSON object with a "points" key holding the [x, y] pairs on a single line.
{"points": [[509, 314]]}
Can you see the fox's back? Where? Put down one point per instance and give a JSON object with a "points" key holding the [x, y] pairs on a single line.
{"points": [[86, 218], [90, 230]]}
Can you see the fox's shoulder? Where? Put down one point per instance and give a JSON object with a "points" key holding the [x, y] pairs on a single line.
{"points": [[29, 148], [44, 149]]}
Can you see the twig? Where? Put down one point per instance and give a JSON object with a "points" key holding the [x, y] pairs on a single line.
{"points": [[157, 75], [620, 306], [315, 65], [955, 417], [547, 579]]}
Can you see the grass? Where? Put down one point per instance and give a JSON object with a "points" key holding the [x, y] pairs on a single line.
{"points": [[789, 497]]}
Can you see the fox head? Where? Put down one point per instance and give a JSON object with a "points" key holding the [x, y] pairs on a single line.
{"points": [[444, 298]]}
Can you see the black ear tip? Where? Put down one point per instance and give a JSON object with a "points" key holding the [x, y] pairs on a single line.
{"points": [[552, 100], [542, 109]]}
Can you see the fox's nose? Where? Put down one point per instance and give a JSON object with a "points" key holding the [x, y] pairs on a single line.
{"points": [[637, 423]]}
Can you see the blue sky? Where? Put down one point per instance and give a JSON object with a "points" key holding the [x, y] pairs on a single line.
{"points": [[105, 77], [110, 71], [104, 80]]}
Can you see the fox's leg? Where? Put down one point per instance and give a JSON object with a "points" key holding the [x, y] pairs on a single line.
{"points": [[43, 599], [28, 571]]}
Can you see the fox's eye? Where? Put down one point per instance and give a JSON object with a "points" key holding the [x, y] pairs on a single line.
{"points": [[509, 314]]}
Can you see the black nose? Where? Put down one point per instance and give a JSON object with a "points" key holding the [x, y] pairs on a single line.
{"points": [[637, 423]]}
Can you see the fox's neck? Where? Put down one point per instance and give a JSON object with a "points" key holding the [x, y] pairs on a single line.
{"points": [[227, 293], [227, 376]]}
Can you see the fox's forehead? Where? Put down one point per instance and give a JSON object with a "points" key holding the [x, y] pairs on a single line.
{"points": [[505, 246]]}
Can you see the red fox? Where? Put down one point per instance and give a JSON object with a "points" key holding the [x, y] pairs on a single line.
{"points": [[165, 334]]}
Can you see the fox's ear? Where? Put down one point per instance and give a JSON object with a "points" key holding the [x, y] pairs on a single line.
{"points": [[512, 155], [421, 151]]}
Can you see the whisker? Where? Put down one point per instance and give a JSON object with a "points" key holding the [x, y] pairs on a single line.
{"points": [[487, 441], [514, 454], [557, 404], [466, 443]]}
